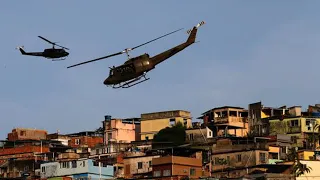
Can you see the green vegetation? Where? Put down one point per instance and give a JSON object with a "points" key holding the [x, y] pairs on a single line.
{"points": [[298, 167], [174, 136]]}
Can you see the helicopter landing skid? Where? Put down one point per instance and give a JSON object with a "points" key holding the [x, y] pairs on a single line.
{"points": [[60, 59], [128, 83]]}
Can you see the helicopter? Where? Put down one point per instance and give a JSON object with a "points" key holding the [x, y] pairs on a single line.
{"points": [[52, 53], [134, 70]]}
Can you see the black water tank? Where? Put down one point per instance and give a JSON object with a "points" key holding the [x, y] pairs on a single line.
{"points": [[107, 118]]}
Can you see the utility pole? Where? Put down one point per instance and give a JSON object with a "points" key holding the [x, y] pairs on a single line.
{"points": [[99, 168]]}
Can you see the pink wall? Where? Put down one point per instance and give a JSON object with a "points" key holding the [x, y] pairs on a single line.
{"points": [[121, 131]]}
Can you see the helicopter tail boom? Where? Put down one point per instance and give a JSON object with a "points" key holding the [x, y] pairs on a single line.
{"points": [[157, 59], [28, 53]]}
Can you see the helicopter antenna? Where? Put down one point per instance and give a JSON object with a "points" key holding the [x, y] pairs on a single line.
{"points": [[125, 50]]}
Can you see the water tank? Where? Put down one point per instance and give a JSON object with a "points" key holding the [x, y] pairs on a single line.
{"points": [[316, 114], [107, 118]]}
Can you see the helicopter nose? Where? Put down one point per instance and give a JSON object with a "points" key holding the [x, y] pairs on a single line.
{"points": [[67, 53], [107, 81]]}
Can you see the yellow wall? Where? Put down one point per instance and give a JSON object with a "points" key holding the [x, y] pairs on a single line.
{"points": [[263, 115], [274, 149], [305, 155], [152, 123], [151, 127]]}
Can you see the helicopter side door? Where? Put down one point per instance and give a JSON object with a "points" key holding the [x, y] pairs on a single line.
{"points": [[124, 70]]}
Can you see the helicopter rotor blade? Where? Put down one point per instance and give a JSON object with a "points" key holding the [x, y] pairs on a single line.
{"points": [[53, 43], [115, 54], [46, 40], [61, 46], [124, 51], [155, 39]]}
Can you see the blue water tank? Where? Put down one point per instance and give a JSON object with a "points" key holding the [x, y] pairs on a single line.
{"points": [[316, 114]]}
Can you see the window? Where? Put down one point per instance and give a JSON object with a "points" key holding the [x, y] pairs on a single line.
{"points": [[109, 136], [111, 72], [191, 136], [239, 157], [22, 133], [139, 165], [167, 173], [262, 157], [147, 138], [172, 121], [283, 149], [43, 169], [210, 134], [294, 123], [65, 165], [192, 172], [228, 160], [156, 173], [150, 163], [97, 151], [95, 163], [84, 163], [216, 160], [74, 164], [77, 141]]}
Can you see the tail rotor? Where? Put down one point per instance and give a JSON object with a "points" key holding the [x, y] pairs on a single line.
{"points": [[197, 26]]}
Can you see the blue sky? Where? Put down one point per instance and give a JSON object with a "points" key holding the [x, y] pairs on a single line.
{"points": [[248, 51]]}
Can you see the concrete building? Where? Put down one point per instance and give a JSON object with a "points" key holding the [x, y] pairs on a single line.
{"points": [[235, 160], [199, 135], [86, 168], [152, 123], [138, 166], [27, 134], [121, 130], [299, 128], [16, 161], [178, 167], [228, 120], [64, 139], [86, 139]]}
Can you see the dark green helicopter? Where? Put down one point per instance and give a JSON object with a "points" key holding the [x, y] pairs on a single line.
{"points": [[130, 73], [51, 53]]}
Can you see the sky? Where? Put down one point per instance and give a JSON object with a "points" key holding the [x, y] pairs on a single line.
{"points": [[248, 51]]}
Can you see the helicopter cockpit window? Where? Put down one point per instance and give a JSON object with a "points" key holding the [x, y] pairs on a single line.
{"points": [[111, 72]]}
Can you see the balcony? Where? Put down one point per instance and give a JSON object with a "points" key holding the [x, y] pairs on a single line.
{"points": [[294, 129], [229, 119]]}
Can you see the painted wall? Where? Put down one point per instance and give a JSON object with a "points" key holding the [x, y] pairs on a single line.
{"points": [[306, 155], [56, 169], [152, 123], [131, 165], [314, 174], [121, 131], [238, 159], [151, 127]]}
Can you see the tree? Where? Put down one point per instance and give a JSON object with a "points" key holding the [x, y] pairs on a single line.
{"points": [[175, 135], [298, 167]]}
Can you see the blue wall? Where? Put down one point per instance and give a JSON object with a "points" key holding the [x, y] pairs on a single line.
{"points": [[105, 171]]}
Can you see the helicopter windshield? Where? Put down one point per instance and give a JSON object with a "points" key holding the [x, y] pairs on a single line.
{"points": [[111, 72]]}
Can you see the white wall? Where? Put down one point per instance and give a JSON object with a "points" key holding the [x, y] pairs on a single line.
{"points": [[53, 169]]}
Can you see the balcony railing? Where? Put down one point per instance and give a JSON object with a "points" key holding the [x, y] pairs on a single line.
{"points": [[229, 119]]}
